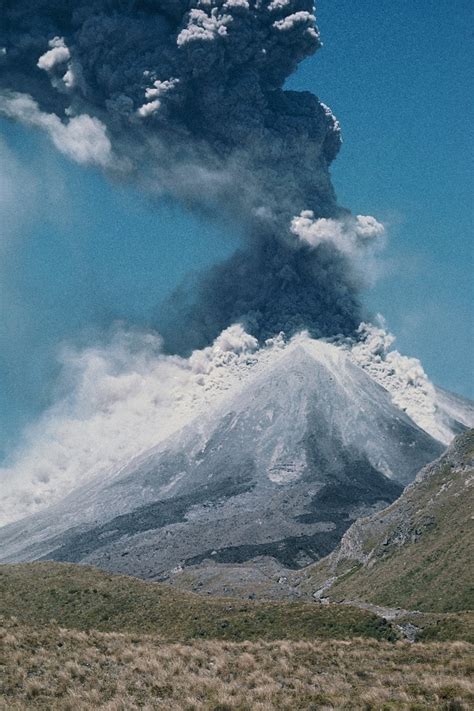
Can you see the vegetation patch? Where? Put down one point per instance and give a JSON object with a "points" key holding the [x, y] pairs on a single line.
{"points": [[418, 551], [72, 670], [84, 598]]}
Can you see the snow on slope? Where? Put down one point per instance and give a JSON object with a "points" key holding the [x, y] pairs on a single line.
{"points": [[126, 397]]}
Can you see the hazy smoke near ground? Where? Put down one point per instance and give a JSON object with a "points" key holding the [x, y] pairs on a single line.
{"points": [[187, 99]]}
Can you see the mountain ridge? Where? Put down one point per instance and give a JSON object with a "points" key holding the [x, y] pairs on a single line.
{"points": [[416, 553]]}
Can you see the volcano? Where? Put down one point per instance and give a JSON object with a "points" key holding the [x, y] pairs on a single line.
{"points": [[277, 468]]}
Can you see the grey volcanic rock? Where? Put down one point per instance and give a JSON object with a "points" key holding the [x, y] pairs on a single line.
{"points": [[416, 511], [278, 471]]}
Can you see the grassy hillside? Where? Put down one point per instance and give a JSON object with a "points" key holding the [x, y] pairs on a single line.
{"points": [[85, 598], [417, 553], [70, 670]]}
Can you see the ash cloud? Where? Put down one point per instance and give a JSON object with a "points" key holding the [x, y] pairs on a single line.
{"points": [[270, 287], [187, 99]]}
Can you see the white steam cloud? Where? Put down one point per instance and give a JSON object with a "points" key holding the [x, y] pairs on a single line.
{"points": [[358, 238], [82, 138], [154, 95], [121, 398], [349, 235], [57, 54], [64, 72]]}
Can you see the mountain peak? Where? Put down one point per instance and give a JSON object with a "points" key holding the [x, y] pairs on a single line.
{"points": [[301, 444]]}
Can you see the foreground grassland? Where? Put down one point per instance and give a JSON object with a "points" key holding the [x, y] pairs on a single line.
{"points": [[55, 668], [73, 637], [85, 598]]}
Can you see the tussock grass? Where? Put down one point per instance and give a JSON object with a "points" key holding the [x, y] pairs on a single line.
{"points": [[57, 668]]}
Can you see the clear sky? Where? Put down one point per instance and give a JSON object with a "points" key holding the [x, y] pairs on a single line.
{"points": [[79, 252]]}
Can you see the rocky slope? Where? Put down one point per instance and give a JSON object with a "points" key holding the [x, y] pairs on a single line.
{"points": [[417, 553]]}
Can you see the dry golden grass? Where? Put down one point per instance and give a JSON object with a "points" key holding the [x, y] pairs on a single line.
{"points": [[57, 668]]}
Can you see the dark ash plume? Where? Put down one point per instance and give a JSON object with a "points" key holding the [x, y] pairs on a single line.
{"points": [[187, 99], [269, 287]]}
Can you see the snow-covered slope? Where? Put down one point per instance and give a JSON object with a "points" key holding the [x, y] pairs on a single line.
{"points": [[287, 446]]}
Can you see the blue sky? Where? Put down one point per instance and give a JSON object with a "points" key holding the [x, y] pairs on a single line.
{"points": [[79, 252]]}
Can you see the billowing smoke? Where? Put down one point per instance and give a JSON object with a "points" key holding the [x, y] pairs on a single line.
{"points": [[186, 98]]}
